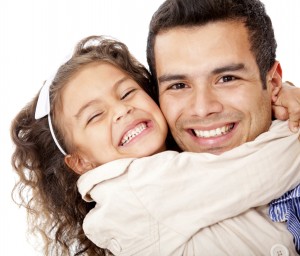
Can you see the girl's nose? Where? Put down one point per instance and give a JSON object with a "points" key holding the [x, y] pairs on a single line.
{"points": [[121, 111]]}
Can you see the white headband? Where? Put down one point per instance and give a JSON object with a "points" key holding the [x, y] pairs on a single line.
{"points": [[43, 109], [43, 104]]}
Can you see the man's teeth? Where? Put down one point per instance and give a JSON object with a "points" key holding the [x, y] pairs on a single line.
{"points": [[133, 133], [214, 133]]}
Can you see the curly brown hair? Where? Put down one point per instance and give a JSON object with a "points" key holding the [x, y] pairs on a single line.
{"points": [[46, 186]]}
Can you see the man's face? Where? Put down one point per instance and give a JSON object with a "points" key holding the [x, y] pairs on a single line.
{"points": [[210, 89]]}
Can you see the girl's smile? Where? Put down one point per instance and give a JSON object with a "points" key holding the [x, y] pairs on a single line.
{"points": [[109, 116]]}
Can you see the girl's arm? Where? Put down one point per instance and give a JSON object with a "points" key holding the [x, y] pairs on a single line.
{"points": [[287, 105], [177, 194], [190, 191]]}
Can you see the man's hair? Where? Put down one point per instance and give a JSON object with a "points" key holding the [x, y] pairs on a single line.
{"points": [[191, 13]]}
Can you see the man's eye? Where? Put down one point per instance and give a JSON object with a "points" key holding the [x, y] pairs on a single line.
{"points": [[226, 79], [177, 86], [128, 93]]}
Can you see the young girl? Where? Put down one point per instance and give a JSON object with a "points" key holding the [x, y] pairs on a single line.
{"points": [[95, 118]]}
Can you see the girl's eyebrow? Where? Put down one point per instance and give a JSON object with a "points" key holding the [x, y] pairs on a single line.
{"points": [[84, 107], [119, 82], [91, 102]]}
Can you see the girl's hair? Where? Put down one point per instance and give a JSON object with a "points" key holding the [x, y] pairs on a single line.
{"points": [[46, 186]]}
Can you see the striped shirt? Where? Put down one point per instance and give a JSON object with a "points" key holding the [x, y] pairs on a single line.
{"points": [[287, 209]]}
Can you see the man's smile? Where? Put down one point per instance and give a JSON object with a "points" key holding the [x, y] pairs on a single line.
{"points": [[213, 132]]}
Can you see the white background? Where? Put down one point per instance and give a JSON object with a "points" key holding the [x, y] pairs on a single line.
{"points": [[36, 35]]}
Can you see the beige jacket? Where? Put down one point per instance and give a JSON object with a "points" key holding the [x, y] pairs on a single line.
{"points": [[195, 204]]}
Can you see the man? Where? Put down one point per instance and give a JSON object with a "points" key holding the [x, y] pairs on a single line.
{"points": [[216, 72]]}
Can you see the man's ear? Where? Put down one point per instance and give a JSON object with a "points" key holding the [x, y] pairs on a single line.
{"points": [[78, 164], [274, 80]]}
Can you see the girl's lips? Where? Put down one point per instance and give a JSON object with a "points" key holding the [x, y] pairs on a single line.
{"points": [[133, 130], [132, 133]]}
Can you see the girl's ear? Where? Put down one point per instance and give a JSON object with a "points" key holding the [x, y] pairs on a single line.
{"points": [[275, 80], [78, 164]]}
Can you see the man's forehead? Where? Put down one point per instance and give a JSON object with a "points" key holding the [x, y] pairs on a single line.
{"points": [[212, 33], [208, 49]]}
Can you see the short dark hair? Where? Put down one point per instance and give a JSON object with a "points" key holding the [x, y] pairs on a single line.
{"points": [[190, 13]]}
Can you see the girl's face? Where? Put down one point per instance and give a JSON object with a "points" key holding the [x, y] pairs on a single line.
{"points": [[108, 116]]}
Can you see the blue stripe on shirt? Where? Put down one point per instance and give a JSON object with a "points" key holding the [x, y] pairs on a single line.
{"points": [[287, 209]]}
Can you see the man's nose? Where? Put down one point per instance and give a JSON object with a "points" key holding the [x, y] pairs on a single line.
{"points": [[121, 110], [205, 101]]}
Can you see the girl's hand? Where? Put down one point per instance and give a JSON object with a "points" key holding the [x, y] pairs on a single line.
{"points": [[287, 105]]}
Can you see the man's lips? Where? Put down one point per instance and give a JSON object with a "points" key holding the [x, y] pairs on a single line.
{"points": [[216, 132], [132, 133]]}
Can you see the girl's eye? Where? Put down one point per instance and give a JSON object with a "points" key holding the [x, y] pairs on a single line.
{"points": [[177, 86], [128, 93], [226, 79], [94, 117]]}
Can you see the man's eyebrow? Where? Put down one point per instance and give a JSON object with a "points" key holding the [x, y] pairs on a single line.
{"points": [[93, 101], [167, 78], [231, 67]]}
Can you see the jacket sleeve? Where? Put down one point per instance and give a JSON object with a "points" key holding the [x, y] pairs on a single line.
{"points": [[190, 191]]}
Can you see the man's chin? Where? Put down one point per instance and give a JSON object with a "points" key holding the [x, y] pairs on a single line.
{"points": [[216, 149]]}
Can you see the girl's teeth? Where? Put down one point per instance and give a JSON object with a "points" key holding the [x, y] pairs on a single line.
{"points": [[133, 133]]}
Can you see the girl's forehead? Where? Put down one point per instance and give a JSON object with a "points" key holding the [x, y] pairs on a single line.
{"points": [[95, 80]]}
